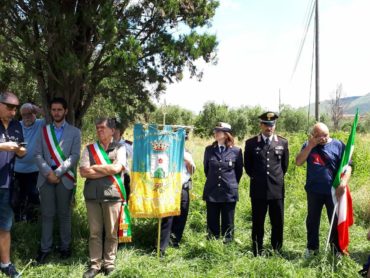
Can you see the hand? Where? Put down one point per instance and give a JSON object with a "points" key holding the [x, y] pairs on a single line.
{"points": [[340, 190], [52, 178], [313, 141], [9, 146]]}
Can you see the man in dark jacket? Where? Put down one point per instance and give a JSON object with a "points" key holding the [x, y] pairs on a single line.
{"points": [[266, 160]]}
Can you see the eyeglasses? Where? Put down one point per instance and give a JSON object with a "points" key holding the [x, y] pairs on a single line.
{"points": [[10, 107]]}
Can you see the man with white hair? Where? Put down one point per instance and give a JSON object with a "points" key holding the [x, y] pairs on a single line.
{"points": [[25, 168], [323, 156]]}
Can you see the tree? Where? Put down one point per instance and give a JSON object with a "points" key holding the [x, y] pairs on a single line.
{"points": [[336, 107], [79, 49], [175, 115], [293, 120], [207, 119]]}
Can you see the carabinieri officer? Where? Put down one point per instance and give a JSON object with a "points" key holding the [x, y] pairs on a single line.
{"points": [[266, 160], [223, 167]]}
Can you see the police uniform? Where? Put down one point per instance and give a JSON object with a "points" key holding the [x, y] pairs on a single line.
{"points": [[266, 164], [223, 170]]}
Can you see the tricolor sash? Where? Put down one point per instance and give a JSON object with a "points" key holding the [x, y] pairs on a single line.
{"points": [[55, 150], [124, 220]]}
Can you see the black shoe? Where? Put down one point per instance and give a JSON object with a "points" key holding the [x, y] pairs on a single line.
{"points": [[65, 254], [90, 273], [108, 271], [41, 257], [10, 271]]}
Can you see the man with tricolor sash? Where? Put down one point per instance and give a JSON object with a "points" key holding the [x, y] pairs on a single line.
{"points": [[102, 164], [57, 152], [323, 156]]}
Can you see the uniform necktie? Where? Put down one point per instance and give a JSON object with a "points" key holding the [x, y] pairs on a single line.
{"points": [[267, 142], [222, 148]]}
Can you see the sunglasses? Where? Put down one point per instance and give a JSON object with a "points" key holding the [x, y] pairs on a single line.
{"points": [[10, 106]]}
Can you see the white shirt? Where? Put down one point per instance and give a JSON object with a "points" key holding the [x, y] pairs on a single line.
{"points": [[185, 175]]}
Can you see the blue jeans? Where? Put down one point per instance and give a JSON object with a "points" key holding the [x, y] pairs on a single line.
{"points": [[6, 211], [315, 204]]}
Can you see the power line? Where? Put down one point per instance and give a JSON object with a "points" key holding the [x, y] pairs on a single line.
{"points": [[307, 26]]}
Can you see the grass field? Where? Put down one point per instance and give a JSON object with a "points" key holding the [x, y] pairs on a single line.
{"points": [[198, 257]]}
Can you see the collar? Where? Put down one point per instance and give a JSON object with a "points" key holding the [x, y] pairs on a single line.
{"points": [[61, 127], [265, 137]]}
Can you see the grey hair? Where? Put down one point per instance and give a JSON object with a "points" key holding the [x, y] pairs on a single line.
{"points": [[27, 105], [109, 122]]}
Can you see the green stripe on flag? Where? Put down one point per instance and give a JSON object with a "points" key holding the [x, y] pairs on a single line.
{"points": [[347, 153]]}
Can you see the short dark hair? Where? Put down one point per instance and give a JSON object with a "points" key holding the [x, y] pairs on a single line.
{"points": [[59, 100], [109, 122]]}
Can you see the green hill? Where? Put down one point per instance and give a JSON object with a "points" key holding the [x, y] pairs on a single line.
{"points": [[350, 105]]}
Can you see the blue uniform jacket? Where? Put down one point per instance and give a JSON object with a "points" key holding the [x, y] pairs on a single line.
{"points": [[223, 173]]}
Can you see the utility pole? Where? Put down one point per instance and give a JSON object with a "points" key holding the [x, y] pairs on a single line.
{"points": [[317, 64]]}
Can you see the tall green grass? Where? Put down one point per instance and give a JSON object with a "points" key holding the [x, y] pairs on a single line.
{"points": [[198, 257]]}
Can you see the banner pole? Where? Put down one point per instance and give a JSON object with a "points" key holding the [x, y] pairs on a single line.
{"points": [[331, 227], [159, 238]]}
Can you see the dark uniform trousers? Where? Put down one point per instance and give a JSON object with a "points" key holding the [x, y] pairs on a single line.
{"points": [[226, 212], [173, 227], [276, 213]]}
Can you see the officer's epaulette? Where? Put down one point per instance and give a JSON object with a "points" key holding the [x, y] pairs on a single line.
{"points": [[281, 137]]}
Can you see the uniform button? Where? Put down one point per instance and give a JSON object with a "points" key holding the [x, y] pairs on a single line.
{"points": [[268, 173], [219, 169], [268, 159], [219, 177], [219, 184], [220, 160], [268, 165], [268, 152]]}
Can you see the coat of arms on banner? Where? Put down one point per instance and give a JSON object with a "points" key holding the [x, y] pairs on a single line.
{"points": [[159, 160]]}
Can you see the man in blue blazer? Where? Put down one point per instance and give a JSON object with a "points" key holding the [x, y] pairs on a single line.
{"points": [[56, 154]]}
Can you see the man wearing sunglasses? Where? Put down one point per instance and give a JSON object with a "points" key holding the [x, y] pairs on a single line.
{"points": [[11, 137]]}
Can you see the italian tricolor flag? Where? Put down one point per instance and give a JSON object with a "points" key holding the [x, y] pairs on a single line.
{"points": [[344, 210]]}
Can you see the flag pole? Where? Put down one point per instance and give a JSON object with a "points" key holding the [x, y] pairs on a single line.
{"points": [[159, 218], [331, 226]]}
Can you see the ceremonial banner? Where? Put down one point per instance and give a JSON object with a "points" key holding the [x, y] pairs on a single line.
{"points": [[156, 173]]}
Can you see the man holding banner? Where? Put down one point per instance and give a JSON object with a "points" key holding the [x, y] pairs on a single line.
{"points": [[323, 155], [57, 152], [102, 164]]}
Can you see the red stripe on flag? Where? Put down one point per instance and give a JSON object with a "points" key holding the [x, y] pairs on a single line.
{"points": [[343, 228]]}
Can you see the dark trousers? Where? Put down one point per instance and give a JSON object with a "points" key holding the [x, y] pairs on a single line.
{"points": [[173, 227], [276, 213], [28, 201], [226, 212], [315, 203]]}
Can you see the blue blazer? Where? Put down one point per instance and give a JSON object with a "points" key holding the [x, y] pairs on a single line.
{"points": [[223, 172]]}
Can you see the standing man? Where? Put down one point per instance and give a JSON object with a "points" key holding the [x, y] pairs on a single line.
{"points": [[323, 156], [11, 137], [102, 165], [56, 153], [173, 227], [266, 160], [25, 169]]}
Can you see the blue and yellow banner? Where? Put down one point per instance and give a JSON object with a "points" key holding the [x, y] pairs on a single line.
{"points": [[156, 171]]}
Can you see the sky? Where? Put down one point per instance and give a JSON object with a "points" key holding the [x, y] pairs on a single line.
{"points": [[258, 46]]}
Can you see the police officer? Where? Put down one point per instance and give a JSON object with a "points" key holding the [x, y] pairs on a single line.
{"points": [[223, 167], [266, 160]]}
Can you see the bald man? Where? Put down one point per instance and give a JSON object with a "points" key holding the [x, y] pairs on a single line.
{"points": [[323, 156]]}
